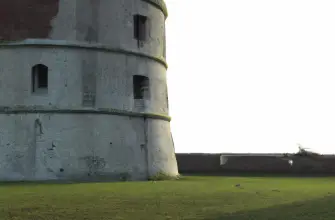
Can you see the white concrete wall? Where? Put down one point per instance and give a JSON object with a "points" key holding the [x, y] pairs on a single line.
{"points": [[162, 156], [109, 23], [113, 75], [44, 146], [71, 146]]}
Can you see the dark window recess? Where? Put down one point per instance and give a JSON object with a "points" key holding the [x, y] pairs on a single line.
{"points": [[141, 87], [140, 28], [39, 77]]}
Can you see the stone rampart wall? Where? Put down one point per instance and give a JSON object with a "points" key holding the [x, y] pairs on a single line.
{"points": [[210, 163]]}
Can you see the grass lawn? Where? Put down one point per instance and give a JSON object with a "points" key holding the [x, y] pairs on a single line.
{"points": [[193, 197]]}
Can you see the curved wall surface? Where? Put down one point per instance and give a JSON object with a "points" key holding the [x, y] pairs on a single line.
{"points": [[87, 122]]}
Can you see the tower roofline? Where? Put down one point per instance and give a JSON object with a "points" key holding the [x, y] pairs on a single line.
{"points": [[159, 4]]}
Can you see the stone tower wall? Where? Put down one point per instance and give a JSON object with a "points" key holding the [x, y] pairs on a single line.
{"points": [[88, 124]]}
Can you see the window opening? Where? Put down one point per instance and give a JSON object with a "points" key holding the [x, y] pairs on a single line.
{"points": [[141, 87], [140, 29], [39, 78]]}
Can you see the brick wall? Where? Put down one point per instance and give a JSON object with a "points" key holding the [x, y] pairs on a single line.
{"points": [[193, 163], [22, 19]]}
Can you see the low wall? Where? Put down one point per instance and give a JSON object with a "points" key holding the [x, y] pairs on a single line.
{"points": [[210, 163]]}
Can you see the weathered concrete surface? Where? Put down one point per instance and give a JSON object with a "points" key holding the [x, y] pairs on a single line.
{"points": [[101, 21], [69, 146], [67, 68], [53, 146], [65, 146]]}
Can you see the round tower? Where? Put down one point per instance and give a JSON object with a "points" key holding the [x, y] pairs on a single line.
{"points": [[83, 92]]}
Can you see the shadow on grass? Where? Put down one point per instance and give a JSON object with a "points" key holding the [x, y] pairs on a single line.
{"points": [[322, 208]]}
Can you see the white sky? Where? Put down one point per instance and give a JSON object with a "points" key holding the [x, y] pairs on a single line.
{"points": [[251, 75]]}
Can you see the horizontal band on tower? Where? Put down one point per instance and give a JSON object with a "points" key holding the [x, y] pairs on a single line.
{"points": [[79, 45], [160, 4], [97, 111]]}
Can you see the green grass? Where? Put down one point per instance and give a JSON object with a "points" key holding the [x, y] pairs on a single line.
{"points": [[192, 197]]}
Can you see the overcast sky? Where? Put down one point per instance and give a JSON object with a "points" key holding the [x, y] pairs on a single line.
{"points": [[251, 75]]}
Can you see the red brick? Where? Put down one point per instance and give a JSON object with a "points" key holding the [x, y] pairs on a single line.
{"points": [[22, 19]]}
